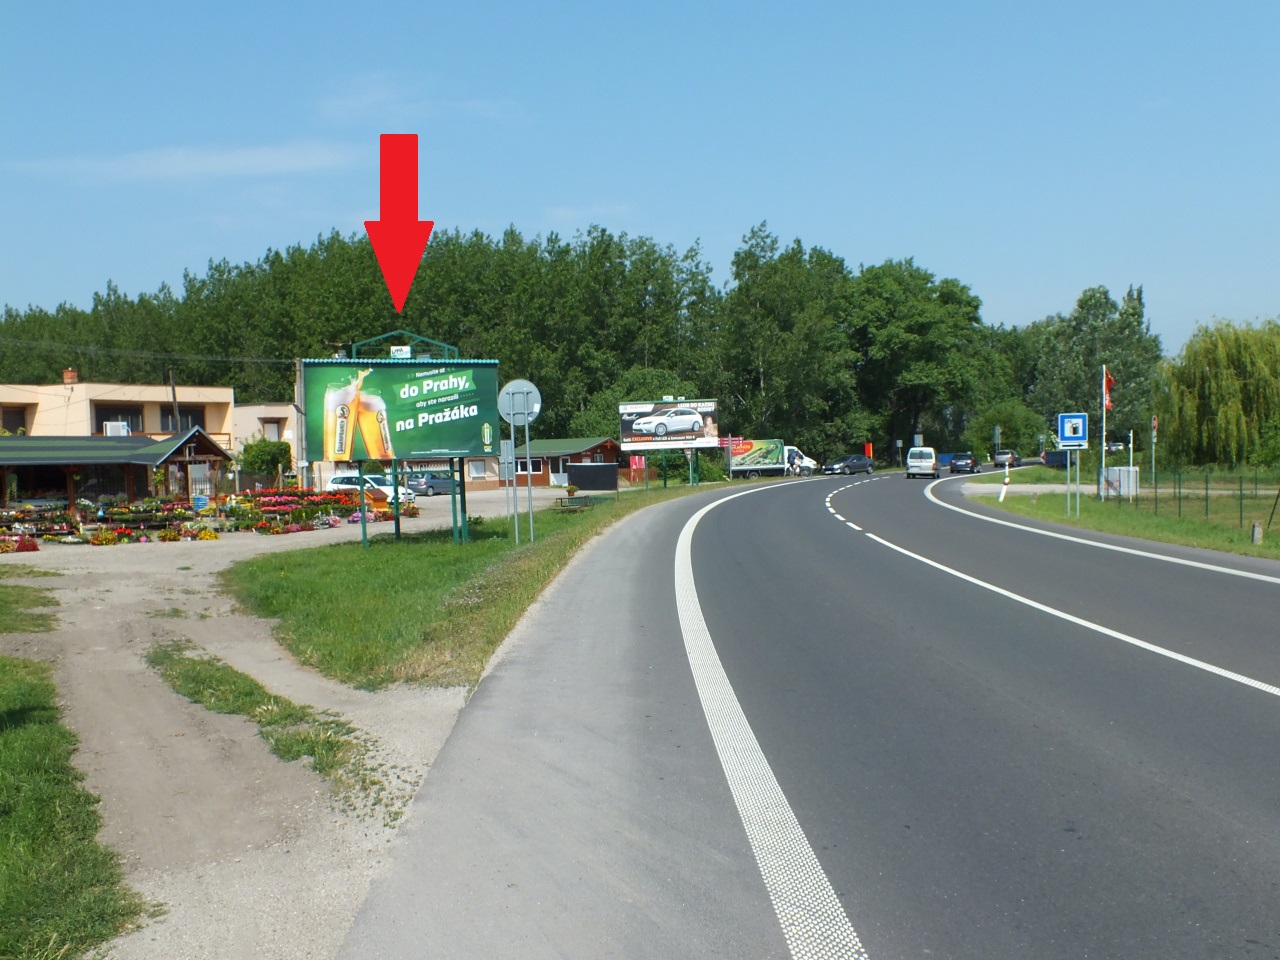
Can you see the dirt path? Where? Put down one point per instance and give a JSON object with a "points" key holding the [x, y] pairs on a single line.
{"points": [[246, 855]]}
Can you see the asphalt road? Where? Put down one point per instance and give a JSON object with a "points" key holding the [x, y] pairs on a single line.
{"points": [[1068, 751]]}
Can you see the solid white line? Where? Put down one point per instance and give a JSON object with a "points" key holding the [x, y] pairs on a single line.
{"points": [[1087, 624], [1230, 571], [813, 921]]}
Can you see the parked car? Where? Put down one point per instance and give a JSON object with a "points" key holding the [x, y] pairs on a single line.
{"points": [[923, 462], [850, 463], [965, 463], [350, 482], [1115, 446], [675, 420], [429, 484], [1009, 457]]}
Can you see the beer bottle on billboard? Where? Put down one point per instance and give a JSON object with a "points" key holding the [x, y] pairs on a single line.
{"points": [[374, 429], [340, 405]]}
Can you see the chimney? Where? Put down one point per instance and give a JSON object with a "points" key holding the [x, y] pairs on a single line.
{"points": [[70, 376]]}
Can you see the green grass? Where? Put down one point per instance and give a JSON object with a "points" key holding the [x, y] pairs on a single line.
{"points": [[293, 732], [420, 609], [12, 571], [60, 892], [1222, 531], [16, 615]]}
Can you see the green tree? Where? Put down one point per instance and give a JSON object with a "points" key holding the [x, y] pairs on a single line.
{"points": [[786, 367], [919, 345], [266, 456], [1073, 349], [1020, 430], [1221, 395]]}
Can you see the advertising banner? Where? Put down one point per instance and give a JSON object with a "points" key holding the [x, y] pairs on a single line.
{"points": [[400, 409], [669, 425]]}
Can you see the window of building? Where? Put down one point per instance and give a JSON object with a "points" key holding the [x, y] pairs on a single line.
{"points": [[188, 417], [117, 413], [270, 429], [597, 458], [13, 419], [522, 466], [476, 469]]}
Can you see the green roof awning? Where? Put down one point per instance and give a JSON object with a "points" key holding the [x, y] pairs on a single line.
{"points": [[562, 448], [88, 451]]}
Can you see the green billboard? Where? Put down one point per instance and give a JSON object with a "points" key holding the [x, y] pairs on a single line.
{"points": [[400, 409]]}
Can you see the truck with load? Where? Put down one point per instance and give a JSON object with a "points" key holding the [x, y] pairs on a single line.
{"points": [[765, 458]]}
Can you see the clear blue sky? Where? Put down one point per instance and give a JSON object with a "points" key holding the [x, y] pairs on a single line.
{"points": [[1029, 150]]}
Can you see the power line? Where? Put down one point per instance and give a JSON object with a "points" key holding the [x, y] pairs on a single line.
{"points": [[133, 354]]}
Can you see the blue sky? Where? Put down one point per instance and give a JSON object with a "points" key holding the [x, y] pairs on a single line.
{"points": [[1029, 150]]}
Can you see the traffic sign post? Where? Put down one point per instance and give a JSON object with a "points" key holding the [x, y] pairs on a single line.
{"points": [[519, 403]]}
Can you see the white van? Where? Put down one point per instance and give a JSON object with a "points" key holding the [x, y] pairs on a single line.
{"points": [[922, 462]]}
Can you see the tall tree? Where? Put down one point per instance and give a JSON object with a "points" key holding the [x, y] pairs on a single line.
{"points": [[1220, 398], [919, 342], [1073, 349]]}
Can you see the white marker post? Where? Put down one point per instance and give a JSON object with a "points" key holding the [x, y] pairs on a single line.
{"points": [[1005, 489]]}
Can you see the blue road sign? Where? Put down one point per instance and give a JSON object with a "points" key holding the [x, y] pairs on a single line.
{"points": [[1073, 431]]}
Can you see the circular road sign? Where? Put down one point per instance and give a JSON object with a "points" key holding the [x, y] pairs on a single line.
{"points": [[519, 402]]}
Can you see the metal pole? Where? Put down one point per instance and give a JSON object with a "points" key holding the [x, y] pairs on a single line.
{"points": [[529, 461], [453, 504], [1242, 499], [515, 498], [395, 486], [364, 510], [1068, 483]]}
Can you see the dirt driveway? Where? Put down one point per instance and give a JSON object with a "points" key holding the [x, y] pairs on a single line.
{"points": [[246, 855]]}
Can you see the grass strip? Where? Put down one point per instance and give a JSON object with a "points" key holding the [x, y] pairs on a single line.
{"points": [[421, 609], [1166, 527], [16, 615], [334, 749], [291, 730], [61, 893], [13, 571]]}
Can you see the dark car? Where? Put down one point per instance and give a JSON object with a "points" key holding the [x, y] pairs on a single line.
{"points": [[429, 484], [965, 463], [852, 463], [1009, 457]]}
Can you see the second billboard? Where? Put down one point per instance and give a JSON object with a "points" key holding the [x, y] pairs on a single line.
{"points": [[668, 425]]}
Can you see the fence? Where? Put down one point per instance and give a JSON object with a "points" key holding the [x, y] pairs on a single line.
{"points": [[1225, 498]]}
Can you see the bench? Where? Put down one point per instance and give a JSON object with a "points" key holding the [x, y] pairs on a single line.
{"points": [[572, 504]]}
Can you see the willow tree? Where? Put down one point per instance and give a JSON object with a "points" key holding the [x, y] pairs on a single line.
{"points": [[1221, 392]]}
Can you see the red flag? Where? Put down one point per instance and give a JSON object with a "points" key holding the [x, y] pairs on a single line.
{"points": [[1108, 381]]}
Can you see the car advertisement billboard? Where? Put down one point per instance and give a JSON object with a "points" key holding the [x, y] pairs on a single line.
{"points": [[400, 409], [668, 425]]}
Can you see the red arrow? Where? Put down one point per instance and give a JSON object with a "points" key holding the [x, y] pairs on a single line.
{"points": [[398, 236]]}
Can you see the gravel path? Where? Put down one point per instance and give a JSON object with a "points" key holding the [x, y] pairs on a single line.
{"points": [[242, 854]]}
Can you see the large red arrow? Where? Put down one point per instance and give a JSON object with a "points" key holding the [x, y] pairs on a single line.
{"points": [[398, 236]]}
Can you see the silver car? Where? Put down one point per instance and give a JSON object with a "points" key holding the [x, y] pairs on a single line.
{"points": [[675, 420]]}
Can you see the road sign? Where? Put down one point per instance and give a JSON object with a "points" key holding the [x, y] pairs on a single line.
{"points": [[1073, 431], [519, 402]]}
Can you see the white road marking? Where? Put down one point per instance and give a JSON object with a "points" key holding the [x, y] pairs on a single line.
{"points": [[813, 921], [1087, 624], [1230, 571], [854, 525]]}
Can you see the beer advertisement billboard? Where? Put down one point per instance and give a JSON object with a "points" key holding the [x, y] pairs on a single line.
{"points": [[668, 425], [400, 409]]}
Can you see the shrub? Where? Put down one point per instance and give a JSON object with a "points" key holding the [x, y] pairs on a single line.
{"points": [[27, 545]]}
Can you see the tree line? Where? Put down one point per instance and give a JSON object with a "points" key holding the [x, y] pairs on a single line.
{"points": [[796, 344]]}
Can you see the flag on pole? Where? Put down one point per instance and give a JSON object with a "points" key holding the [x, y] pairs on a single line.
{"points": [[1108, 381]]}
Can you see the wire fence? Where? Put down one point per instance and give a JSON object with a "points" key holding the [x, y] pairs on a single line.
{"points": [[1222, 497]]}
